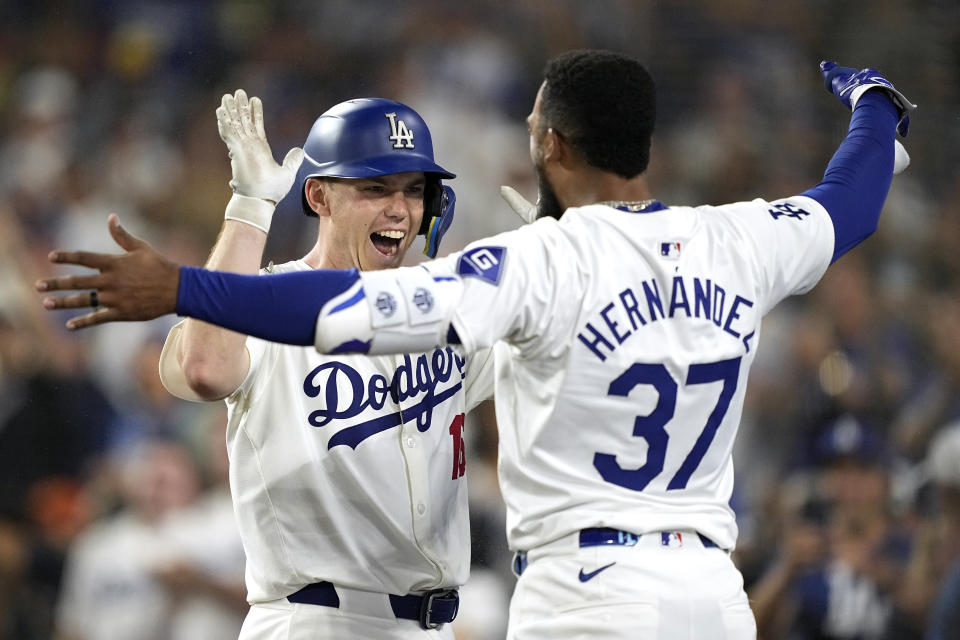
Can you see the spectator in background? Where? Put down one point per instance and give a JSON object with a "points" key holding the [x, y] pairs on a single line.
{"points": [[841, 548], [204, 576], [125, 575], [943, 464], [937, 402]]}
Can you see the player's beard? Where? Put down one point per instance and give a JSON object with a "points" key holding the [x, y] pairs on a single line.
{"points": [[547, 203]]}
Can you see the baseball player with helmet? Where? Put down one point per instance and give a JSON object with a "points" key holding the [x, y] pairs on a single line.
{"points": [[624, 330], [347, 472]]}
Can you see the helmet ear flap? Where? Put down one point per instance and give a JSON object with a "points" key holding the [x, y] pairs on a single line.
{"points": [[433, 202]]}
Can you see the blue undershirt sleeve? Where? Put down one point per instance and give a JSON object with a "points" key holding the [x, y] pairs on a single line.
{"points": [[280, 307], [858, 176]]}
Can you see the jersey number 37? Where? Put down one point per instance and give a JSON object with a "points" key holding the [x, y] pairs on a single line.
{"points": [[652, 428]]}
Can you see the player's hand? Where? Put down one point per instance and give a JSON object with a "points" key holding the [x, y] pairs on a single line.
{"points": [[255, 173], [520, 205], [439, 224], [139, 284], [848, 85]]}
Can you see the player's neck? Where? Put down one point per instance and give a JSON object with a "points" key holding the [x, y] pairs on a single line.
{"points": [[591, 186], [321, 256], [317, 257]]}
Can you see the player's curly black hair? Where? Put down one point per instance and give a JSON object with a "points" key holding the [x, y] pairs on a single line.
{"points": [[604, 105]]}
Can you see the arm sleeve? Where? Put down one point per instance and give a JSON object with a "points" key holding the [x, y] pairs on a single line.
{"points": [[278, 307], [499, 288], [858, 176]]}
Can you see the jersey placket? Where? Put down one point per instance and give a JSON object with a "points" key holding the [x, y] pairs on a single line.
{"points": [[414, 451]]}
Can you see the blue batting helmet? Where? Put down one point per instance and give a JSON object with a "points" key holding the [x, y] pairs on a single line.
{"points": [[369, 137]]}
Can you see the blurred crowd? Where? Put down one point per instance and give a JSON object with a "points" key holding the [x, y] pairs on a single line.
{"points": [[115, 519]]}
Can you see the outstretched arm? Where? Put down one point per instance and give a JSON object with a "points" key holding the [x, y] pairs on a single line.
{"points": [[858, 176], [142, 284]]}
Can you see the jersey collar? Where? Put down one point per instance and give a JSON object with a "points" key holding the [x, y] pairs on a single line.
{"points": [[635, 206]]}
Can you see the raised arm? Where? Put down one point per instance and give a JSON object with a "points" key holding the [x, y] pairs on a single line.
{"points": [[858, 176], [203, 361]]}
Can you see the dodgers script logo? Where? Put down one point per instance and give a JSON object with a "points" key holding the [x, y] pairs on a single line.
{"points": [[401, 136], [415, 377]]}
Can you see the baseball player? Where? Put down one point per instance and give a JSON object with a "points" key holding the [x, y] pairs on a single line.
{"points": [[625, 329], [347, 472]]}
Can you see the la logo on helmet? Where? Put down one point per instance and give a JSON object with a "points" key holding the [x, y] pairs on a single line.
{"points": [[402, 136]]}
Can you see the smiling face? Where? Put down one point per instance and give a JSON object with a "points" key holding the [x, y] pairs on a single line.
{"points": [[367, 223]]}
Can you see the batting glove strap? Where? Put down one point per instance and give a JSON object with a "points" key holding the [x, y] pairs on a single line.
{"points": [[253, 211], [848, 85]]}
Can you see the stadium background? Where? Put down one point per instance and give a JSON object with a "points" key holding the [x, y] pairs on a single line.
{"points": [[107, 106]]}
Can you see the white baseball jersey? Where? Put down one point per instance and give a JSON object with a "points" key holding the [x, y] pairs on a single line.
{"points": [[350, 469], [108, 588], [628, 338]]}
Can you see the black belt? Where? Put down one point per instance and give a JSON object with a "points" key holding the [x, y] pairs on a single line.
{"points": [[431, 609], [603, 536]]}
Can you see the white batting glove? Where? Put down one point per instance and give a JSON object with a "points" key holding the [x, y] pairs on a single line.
{"points": [[520, 205], [258, 182]]}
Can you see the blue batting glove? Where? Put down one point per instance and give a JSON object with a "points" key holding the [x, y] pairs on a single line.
{"points": [[440, 224], [848, 85]]}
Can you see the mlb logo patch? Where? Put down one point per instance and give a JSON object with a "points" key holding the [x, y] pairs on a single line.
{"points": [[484, 263], [671, 539], [670, 250]]}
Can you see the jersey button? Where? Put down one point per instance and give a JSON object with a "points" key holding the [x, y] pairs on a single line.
{"points": [[421, 508], [411, 442]]}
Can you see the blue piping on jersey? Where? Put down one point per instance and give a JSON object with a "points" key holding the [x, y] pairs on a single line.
{"points": [[354, 299], [352, 346]]}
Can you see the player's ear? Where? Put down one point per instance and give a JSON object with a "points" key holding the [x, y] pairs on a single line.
{"points": [[556, 148], [317, 193]]}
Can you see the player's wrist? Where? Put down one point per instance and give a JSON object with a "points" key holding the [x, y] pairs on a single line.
{"points": [[256, 212]]}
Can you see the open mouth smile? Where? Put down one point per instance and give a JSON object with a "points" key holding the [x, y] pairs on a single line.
{"points": [[387, 242]]}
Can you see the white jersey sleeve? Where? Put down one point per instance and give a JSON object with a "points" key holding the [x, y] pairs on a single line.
{"points": [[517, 286], [478, 384], [789, 241], [509, 286]]}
